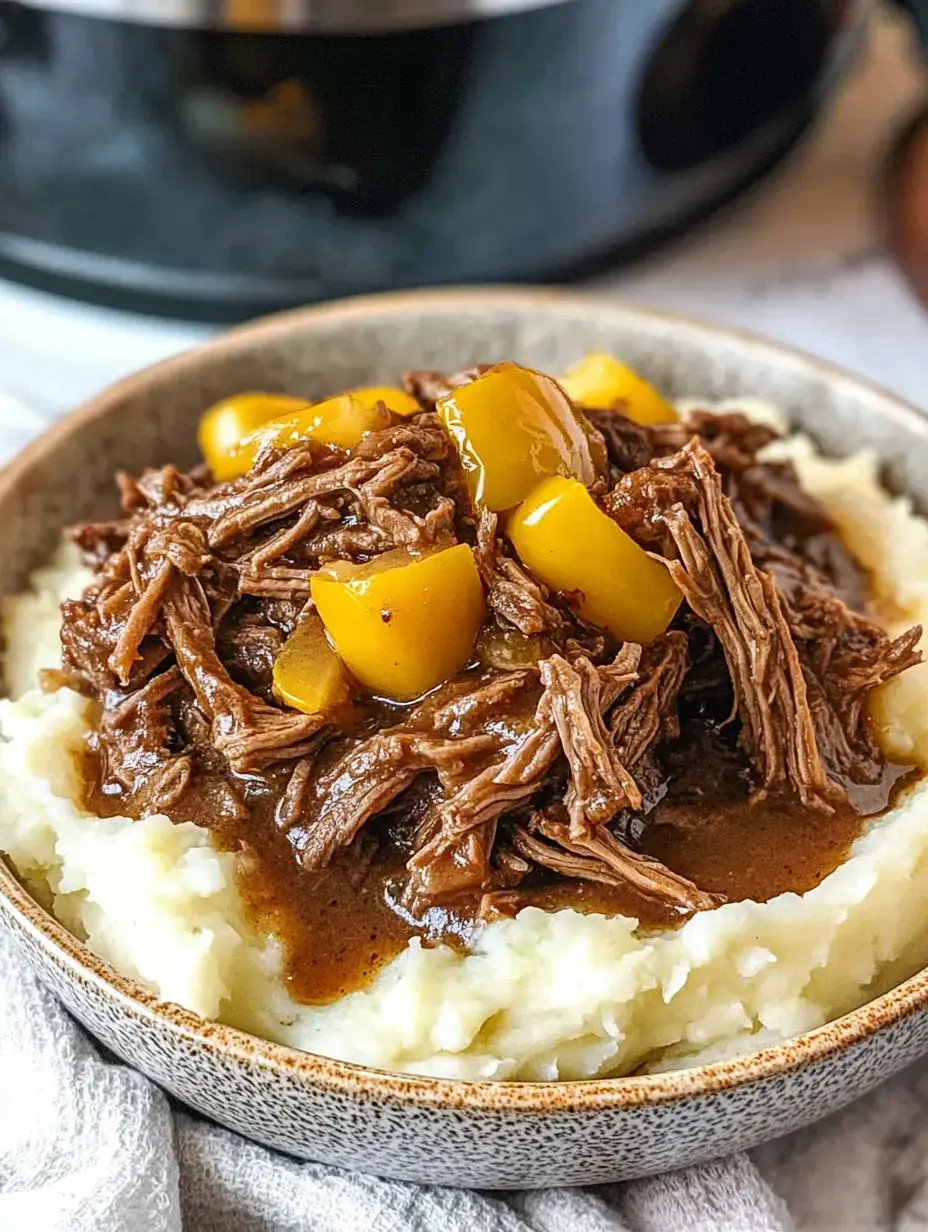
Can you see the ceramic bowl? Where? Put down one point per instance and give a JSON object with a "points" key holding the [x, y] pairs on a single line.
{"points": [[480, 1134]]}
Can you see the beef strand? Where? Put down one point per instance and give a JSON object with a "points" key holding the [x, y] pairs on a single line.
{"points": [[368, 778], [511, 593], [246, 730], [428, 386], [628, 444], [600, 785], [601, 857]]}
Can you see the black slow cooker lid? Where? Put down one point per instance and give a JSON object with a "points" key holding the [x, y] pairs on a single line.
{"points": [[316, 16]]}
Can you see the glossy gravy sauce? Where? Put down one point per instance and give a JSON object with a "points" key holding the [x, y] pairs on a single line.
{"points": [[338, 927]]}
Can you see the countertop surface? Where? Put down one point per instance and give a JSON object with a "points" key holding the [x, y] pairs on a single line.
{"points": [[801, 259]]}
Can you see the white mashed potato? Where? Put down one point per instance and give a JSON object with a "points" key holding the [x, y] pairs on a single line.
{"points": [[542, 996]]}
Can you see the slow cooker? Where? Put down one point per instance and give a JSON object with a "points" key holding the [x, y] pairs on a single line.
{"points": [[219, 158]]}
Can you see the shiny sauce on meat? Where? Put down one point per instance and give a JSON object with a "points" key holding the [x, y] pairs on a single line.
{"points": [[338, 927]]}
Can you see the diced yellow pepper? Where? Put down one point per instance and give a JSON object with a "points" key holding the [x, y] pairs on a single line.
{"points": [[339, 421], [601, 381], [308, 674], [225, 423], [513, 426], [398, 400], [402, 623], [567, 542]]}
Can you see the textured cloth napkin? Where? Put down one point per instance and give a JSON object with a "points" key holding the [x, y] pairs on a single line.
{"points": [[88, 1145]]}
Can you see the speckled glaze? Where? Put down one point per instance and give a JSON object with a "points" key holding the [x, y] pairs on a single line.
{"points": [[497, 1135]]}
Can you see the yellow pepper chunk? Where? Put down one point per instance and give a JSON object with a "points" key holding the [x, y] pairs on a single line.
{"points": [[566, 540], [225, 423], [308, 674], [398, 400], [339, 421], [601, 381], [402, 623], [513, 426]]}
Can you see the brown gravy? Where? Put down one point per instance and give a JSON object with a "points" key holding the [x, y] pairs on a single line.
{"points": [[340, 926], [751, 851]]}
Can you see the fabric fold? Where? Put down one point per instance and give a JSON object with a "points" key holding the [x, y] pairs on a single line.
{"points": [[88, 1145]]}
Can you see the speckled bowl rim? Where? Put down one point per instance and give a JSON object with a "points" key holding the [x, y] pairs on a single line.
{"points": [[815, 1046]]}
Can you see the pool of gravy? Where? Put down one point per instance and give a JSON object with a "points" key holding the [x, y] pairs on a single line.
{"points": [[338, 927]]}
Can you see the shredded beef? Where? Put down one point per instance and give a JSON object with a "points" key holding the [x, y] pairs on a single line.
{"points": [[368, 778], [600, 785], [649, 714], [466, 706], [249, 650], [261, 502], [511, 593], [427, 386], [678, 505], [357, 543], [628, 444], [515, 774], [601, 857], [247, 731], [142, 722], [290, 536], [787, 533], [568, 721], [97, 541], [400, 527], [423, 435]]}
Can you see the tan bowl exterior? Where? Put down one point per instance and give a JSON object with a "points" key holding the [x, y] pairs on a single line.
{"points": [[493, 1135]]}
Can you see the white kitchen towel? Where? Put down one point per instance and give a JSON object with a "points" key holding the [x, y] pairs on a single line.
{"points": [[88, 1145]]}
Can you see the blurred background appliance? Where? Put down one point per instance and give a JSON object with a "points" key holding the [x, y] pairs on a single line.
{"points": [[908, 183], [214, 159]]}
